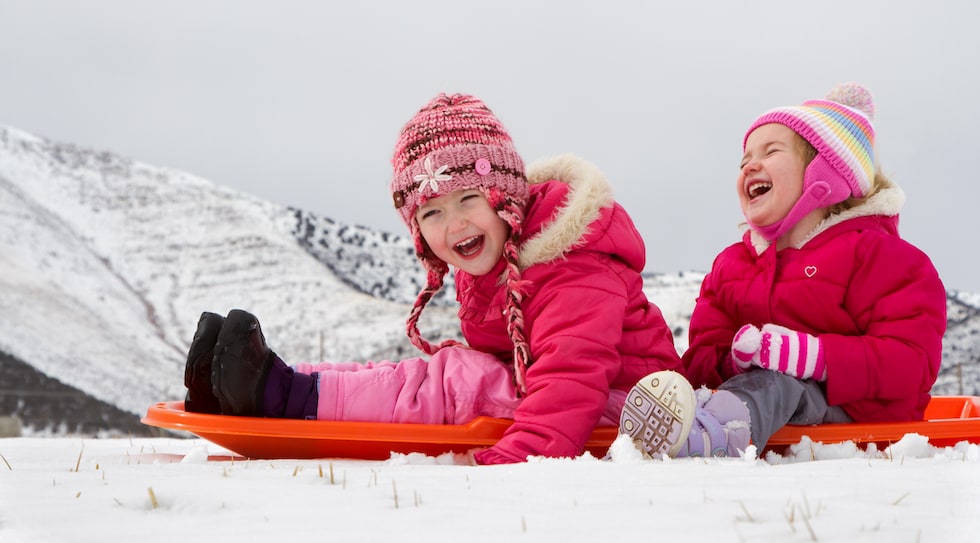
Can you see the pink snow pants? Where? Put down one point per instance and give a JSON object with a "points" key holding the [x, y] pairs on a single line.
{"points": [[454, 386]]}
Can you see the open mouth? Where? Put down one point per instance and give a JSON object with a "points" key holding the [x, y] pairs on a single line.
{"points": [[758, 188], [469, 246]]}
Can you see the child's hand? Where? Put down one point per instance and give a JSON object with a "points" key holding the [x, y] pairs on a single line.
{"points": [[745, 347], [778, 348]]}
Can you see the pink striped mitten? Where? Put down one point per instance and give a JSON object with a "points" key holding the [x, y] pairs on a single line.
{"points": [[778, 348]]}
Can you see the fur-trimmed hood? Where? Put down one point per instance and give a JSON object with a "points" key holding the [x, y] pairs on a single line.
{"points": [[572, 222], [886, 202]]}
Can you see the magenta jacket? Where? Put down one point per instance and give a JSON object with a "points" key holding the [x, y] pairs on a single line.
{"points": [[874, 300], [590, 326]]}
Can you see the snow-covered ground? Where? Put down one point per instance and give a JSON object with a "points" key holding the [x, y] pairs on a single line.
{"points": [[167, 490]]}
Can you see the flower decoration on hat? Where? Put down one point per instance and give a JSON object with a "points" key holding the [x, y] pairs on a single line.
{"points": [[431, 178]]}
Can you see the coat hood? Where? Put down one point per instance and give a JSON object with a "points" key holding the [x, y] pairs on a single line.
{"points": [[571, 213], [886, 203]]}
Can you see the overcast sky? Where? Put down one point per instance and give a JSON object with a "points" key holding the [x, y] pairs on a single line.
{"points": [[300, 102]]}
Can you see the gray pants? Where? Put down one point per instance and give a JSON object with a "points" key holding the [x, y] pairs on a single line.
{"points": [[775, 399]]}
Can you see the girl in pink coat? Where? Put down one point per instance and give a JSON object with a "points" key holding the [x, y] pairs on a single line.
{"points": [[822, 313], [547, 269]]}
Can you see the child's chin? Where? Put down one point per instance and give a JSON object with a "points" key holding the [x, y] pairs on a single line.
{"points": [[474, 268]]}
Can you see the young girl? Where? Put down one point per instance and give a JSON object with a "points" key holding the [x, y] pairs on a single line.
{"points": [[822, 313], [547, 270]]}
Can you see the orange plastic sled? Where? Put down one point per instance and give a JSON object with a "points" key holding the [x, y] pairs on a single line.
{"points": [[949, 420]]}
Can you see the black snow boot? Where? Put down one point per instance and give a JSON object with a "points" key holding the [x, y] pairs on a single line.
{"points": [[197, 370], [241, 365]]}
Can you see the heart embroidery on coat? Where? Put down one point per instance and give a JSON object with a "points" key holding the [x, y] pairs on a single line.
{"points": [[810, 271]]}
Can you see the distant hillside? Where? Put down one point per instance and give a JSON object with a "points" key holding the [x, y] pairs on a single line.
{"points": [[50, 407], [960, 373]]}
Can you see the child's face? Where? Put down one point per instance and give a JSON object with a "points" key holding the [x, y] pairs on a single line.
{"points": [[770, 178], [463, 230]]}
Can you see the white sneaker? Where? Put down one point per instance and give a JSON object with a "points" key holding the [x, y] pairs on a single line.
{"points": [[658, 413]]}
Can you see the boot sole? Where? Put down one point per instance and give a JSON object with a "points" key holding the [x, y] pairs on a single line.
{"points": [[658, 413]]}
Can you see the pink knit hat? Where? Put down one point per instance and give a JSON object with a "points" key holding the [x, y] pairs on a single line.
{"points": [[455, 142], [839, 128]]}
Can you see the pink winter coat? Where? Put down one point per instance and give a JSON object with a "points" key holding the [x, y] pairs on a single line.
{"points": [[874, 300], [589, 324]]}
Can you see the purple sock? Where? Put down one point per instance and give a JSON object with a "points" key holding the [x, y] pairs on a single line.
{"points": [[288, 394]]}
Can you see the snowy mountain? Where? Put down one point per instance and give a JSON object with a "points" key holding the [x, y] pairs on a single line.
{"points": [[960, 372], [106, 264]]}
